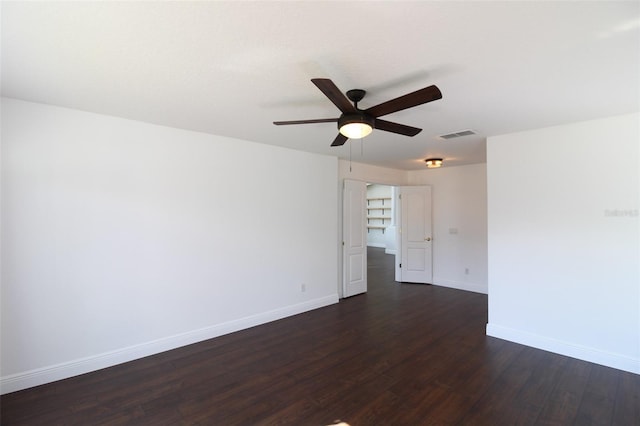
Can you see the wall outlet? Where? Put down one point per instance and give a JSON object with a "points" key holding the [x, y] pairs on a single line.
{"points": [[303, 287], [466, 271]]}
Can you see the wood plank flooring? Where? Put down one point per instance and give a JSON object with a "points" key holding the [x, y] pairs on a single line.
{"points": [[402, 354]]}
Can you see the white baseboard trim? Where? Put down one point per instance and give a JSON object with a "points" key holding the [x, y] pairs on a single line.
{"points": [[620, 362], [390, 251], [476, 288], [40, 376], [378, 245]]}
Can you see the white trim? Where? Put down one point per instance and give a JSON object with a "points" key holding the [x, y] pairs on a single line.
{"points": [[76, 367], [621, 362], [378, 245], [476, 288]]}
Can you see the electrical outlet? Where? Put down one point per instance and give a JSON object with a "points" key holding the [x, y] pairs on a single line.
{"points": [[466, 271], [303, 287]]}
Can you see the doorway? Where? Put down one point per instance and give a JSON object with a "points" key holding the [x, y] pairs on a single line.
{"points": [[375, 215]]}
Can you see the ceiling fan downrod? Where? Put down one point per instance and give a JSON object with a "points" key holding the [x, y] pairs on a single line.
{"points": [[355, 96]]}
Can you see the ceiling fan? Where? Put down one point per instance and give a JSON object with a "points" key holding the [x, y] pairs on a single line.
{"points": [[355, 123]]}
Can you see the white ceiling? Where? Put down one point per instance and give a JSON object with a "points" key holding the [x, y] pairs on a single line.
{"points": [[232, 68]]}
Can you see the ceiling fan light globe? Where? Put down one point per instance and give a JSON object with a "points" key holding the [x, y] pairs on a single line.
{"points": [[356, 130], [356, 125]]}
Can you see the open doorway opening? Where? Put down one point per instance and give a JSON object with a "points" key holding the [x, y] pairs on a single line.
{"points": [[381, 218], [373, 216]]}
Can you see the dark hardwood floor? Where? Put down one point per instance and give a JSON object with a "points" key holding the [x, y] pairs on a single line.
{"points": [[402, 354]]}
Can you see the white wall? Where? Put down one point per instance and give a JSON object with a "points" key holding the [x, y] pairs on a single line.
{"points": [[371, 174], [121, 239], [564, 258], [459, 200]]}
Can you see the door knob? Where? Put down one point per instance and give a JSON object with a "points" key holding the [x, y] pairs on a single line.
{"points": [[428, 239]]}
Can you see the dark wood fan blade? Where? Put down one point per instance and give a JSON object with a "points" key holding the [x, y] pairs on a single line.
{"points": [[409, 100], [318, 120], [339, 140], [334, 94], [392, 127]]}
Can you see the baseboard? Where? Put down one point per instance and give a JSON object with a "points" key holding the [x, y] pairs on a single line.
{"points": [[584, 353], [378, 245], [476, 288], [40, 376], [390, 251]]}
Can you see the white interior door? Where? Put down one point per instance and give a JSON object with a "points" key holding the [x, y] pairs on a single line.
{"points": [[354, 238], [415, 234]]}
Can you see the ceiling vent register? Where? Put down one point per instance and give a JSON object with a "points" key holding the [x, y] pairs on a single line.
{"points": [[458, 134]]}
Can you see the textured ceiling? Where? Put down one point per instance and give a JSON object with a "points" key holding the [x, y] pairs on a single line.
{"points": [[232, 68]]}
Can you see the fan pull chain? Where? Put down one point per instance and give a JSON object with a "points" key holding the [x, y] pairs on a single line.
{"points": [[350, 156]]}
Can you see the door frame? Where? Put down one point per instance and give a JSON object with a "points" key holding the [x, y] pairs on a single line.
{"points": [[397, 211]]}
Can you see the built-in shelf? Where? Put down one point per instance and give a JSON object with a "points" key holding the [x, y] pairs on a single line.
{"points": [[379, 205]]}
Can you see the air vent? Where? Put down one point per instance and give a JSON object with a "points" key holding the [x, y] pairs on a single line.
{"points": [[457, 134]]}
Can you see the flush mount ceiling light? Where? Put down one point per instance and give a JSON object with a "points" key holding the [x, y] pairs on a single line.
{"points": [[433, 163]]}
